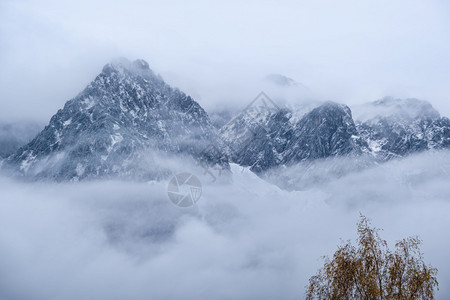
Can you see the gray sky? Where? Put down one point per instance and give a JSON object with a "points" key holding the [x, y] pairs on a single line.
{"points": [[346, 51]]}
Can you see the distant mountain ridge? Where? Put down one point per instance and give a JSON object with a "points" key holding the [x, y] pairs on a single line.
{"points": [[127, 118], [403, 126], [384, 129], [281, 139]]}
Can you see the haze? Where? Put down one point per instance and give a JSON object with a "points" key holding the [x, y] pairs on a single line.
{"points": [[346, 51]]}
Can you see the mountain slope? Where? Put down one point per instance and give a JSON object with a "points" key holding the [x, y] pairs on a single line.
{"points": [[118, 126], [398, 127], [263, 140], [388, 128], [128, 121]]}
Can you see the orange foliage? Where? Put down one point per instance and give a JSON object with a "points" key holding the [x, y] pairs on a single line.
{"points": [[372, 271]]}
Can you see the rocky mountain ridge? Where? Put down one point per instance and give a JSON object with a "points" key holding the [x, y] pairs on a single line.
{"points": [[128, 118], [117, 127]]}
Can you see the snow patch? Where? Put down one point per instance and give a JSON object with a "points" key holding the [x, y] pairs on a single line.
{"points": [[68, 122], [116, 138], [80, 169], [88, 102], [375, 146], [25, 165]]}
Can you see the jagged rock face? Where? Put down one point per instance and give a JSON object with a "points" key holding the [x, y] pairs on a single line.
{"points": [[326, 131], [384, 129], [128, 118], [266, 140], [397, 127], [114, 126]]}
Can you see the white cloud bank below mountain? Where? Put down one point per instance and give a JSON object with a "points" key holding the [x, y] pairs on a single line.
{"points": [[246, 239]]}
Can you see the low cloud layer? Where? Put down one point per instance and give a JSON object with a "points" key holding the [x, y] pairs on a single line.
{"points": [[246, 239]]}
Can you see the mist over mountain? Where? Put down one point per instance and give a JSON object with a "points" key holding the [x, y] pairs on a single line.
{"points": [[15, 135], [282, 80], [128, 132], [266, 136], [398, 127], [128, 123], [118, 126]]}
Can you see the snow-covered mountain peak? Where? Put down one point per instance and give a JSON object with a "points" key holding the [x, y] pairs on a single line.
{"points": [[116, 126], [333, 107], [122, 67], [396, 127], [127, 118]]}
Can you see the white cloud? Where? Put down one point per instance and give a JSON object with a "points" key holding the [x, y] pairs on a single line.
{"points": [[246, 239]]}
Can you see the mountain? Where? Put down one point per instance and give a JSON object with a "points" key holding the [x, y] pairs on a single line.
{"points": [[265, 136], [299, 147], [129, 123], [120, 125], [398, 127]]}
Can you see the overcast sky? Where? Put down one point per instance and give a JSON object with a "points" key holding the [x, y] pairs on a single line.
{"points": [[346, 51]]}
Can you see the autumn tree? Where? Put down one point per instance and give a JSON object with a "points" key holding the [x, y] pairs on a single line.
{"points": [[371, 271]]}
